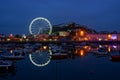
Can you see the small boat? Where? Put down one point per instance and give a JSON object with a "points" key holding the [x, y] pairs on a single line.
{"points": [[115, 58], [2, 50], [59, 56], [12, 57], [101, 52], [5, 64]]}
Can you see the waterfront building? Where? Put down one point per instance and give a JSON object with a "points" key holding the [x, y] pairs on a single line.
{"points": [[64, 33], [42, 37], [83, 35], [102, 37]]}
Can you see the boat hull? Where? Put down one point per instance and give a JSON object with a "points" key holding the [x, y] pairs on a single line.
{"points": [[115, 58], [59, 56], [12, 57]]}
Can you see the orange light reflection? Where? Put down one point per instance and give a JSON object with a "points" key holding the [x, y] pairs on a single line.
{"points": [[109, 49], [82, 52]]}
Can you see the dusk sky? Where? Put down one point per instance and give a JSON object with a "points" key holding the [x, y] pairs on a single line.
{"points": [[102, 15]]}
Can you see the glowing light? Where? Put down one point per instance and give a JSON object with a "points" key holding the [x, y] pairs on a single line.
{"points": [[114, 37], [24, 36], [109, 49], [81, 52], [100, 39], [21, 40], [11, 51], [45, 39], [8, 39], [11, 35], [76, 51], [45, 47], [86, 38], [109, 36], [50, 39], [86, 47], [100, 46], [114, 46], [55, 39], [89, 48], [27, 39], [81, 33], [37, 29]]}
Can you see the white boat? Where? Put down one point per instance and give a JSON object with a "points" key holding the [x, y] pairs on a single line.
{"points": [[28, 50], [59, 56], [12, 55], [100, 52], [15, 57], [5, 64]]}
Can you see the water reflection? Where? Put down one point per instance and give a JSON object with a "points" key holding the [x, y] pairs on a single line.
{"points": [[40, 58], [54, 56], [43, 56], [10, 71]]}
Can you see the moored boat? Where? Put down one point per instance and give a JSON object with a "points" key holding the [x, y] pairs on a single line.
{"points": [[13, 57], [5, 64], [115, 58], [59, 56], [101, 52]]}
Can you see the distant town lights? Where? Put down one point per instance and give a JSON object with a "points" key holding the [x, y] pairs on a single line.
{"points": [[24, 36], [44, 47], [81, 52], [8, 39], [81, 33], [11, 35], [114, 46], [109, 36], [109, 49], [100, 39], [114, 37]]}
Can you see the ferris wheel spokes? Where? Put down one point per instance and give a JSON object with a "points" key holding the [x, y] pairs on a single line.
{"points": [[40, 25]]}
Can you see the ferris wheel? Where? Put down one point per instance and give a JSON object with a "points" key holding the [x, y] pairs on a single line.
{"points": [[39, 58], [40, 25]]}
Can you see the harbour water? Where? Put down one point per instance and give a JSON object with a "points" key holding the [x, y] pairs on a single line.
{"points": [[66, 62]]}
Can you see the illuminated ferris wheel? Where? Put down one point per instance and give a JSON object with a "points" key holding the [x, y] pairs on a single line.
{"points": [[40, 58], [40, 25]]}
